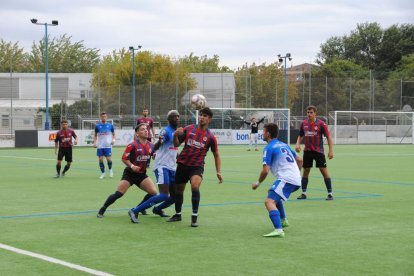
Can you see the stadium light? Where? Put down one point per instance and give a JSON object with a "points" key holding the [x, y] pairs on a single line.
{"points": [[131, 48], [283, 59], [54, 23]]}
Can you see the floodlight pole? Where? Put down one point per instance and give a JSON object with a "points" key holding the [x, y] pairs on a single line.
{"points": [[54, 23], [283, 59], [133, 82]]}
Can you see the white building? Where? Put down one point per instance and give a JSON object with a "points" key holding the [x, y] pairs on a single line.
{"points": [[22, 94]]}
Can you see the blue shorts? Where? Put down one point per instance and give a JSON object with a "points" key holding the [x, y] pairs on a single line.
{"points": [[165, 176], [104, 152], [281, 190]]}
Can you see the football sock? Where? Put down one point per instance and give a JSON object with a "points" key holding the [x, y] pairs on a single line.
{"points": [[146, 197], [179, 199], [58, 166], [66, 168], [274, 216], [112, 198], [167, 203], [150, 202], [195, 200], [110, 165], [102, 167], [281, 209], [171, 189], [304, 184], [328, 185]]}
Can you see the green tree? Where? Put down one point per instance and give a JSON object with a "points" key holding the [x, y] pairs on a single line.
{"points": [[65, 56], [156, 76], [371, 47], [339, 84], [400, 84], [203, 64], [11, 55]]}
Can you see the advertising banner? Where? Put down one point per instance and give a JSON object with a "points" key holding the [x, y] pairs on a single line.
{"points": [[125, 136]]}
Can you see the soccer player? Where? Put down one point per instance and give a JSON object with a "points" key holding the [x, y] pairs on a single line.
{"points": [[64, 140], [164, 166], [198, 139], [285, 165], [313, 130], [103, 140], [149, 122], [254, 125], [136, 158], [150, 127]]}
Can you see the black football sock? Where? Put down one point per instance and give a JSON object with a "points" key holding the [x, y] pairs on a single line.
{"points": [[111, 199], [304, 184], [195, 201], [66, 168], [179, 199], [328, 184], [58, 167]]}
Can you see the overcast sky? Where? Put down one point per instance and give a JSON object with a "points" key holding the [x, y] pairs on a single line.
{"points": [[238, 31]]}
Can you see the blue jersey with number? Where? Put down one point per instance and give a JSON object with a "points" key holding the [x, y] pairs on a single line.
{"points": [[281, 160], [104, 134]]}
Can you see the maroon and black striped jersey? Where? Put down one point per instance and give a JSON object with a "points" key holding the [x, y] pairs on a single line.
{"points": [[139, 154], [150, 124], [64, 137], [313, 133], [196, 144]]}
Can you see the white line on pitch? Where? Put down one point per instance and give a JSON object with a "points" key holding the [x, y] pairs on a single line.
{"points": [[53, 260], [24, 157]]}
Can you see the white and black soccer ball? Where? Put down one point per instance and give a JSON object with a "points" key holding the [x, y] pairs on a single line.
{"points": [[198, 101]]}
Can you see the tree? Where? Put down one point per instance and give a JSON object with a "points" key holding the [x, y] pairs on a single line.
{"points": [[203, 64], [371, 47], [11, 55], [156, 76], [64, 56], [400, 84], [345, 84]]}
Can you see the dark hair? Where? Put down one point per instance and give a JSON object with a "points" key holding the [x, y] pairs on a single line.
{"points": [[139, 125], [207, 111], [64, 121], [272, 129], [103, 113], [312, 107]]}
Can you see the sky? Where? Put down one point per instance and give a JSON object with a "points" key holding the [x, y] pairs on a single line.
{"points": [[238, 31]]}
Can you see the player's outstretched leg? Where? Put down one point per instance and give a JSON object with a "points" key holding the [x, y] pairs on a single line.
{"points": [[109, 201]]}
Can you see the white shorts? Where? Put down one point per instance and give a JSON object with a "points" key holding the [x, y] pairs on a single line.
{"points": [[165, 176], [253, 137]]}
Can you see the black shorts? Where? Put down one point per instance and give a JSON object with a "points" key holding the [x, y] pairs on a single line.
{"points": [[65, 152], [132, 177], [184, 173], [309, 156]]}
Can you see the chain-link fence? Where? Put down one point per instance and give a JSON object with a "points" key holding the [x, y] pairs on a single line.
{"points": [[328, 94]]}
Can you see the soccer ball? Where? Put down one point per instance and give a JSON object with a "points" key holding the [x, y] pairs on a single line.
{"points": [[198, 101]]}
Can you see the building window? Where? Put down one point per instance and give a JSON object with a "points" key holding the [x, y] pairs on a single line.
{"points": [[5, 122]]}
